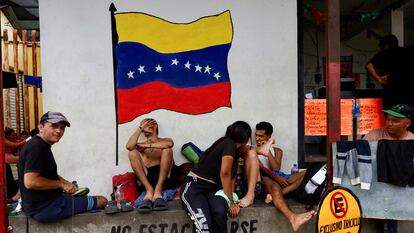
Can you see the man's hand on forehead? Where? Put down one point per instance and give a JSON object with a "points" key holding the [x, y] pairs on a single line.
{"points": [[148, 122]]}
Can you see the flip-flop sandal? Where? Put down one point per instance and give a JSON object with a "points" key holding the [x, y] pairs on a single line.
{"points": [[159, 204], [111, 208], [81, 192], [126, 206], [145, 207]]}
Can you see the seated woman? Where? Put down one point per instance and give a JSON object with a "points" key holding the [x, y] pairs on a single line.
{"points": [[215, 171], [11, 150]]}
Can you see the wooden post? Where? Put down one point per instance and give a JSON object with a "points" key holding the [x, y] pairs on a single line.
{"points": [[26, 88], [16, 71], [34, 61], [7, 68], [333, 97]]}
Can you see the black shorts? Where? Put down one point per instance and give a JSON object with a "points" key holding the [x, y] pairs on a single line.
{"points": [[170, 182], [12, 185]]}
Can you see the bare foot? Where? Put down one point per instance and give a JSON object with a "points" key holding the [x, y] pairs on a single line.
{"points": [[264, 149], [156, 195], [298, 220], [149, 196], [246, 201], [268, 199]]}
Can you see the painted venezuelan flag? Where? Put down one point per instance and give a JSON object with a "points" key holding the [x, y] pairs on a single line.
{"points": [[164, 65]]}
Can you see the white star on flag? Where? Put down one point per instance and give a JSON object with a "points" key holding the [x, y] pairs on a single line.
{"points": [[217, 75], [141, 69], [198, 68], [207, 69], [131, 74], [158, 68], [187, 65], [174, 61]]}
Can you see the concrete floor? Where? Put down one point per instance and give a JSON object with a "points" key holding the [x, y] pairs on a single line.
{"points": [[259, 218]]}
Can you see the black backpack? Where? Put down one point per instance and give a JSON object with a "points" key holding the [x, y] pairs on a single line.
{"points": [[311, 199]]}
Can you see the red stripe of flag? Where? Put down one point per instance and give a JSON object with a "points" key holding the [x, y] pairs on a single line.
{"points": [[158, 95]]}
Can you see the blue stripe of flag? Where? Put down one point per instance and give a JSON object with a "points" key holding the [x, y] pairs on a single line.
{"points": [[131, 56]]}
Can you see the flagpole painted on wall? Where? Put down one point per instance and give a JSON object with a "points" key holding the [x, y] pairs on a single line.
{"points": [[112, 9]]}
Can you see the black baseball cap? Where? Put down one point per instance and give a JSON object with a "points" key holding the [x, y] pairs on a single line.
{"points": [[400, 111], [54, 117]]}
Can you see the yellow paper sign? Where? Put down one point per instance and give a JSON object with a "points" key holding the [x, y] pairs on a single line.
{"points": [[339, 212]]}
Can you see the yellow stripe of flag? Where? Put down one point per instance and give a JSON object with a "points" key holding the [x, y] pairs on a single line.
{"points": [[167, 37]]}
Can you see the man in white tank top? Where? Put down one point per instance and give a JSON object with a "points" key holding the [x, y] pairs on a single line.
{"points": [[278, 184]]}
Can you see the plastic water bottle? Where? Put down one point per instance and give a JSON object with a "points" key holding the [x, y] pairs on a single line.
{"points": [[119, 195], [294, 169]]}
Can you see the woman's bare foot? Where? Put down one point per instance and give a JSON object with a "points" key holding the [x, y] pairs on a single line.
{"points": [[298, 220], [246, 201], [268, 199]]}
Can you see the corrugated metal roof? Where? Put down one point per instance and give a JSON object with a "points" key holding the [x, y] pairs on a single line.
{"points": [[26, 12]]}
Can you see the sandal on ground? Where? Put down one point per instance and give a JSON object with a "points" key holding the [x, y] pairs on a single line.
{"points": [[145, 207], [159, 204], [111, 208], [126, 206]]}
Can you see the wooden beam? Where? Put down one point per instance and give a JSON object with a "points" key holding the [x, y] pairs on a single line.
{"points": [[6, 68], [333, 66], [34, 61], [26, 88]]}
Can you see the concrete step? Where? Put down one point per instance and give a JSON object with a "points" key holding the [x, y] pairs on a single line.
{"points": [[256, 219]]}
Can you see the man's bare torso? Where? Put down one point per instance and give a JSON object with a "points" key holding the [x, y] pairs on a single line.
{"points": [[151, 156]]}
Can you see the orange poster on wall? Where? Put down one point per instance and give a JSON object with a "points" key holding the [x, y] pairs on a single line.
{"points": [[315, 117], [371, 116]]}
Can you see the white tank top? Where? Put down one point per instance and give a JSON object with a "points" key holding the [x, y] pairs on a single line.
{"points": [[264, 160]]}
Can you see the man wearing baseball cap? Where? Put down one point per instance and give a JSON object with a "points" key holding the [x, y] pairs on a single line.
{"points": [[397, 121], [46, 196]]}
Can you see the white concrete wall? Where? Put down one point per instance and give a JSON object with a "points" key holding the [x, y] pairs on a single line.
{"points": [[78, 80]]}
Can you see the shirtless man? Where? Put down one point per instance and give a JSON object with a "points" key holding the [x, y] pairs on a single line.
{"points": [[277, 184], [152, 162]]}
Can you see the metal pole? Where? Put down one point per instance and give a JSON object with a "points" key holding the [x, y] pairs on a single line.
{"points": [[16, 71], [4, 223], [333, 68]]}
